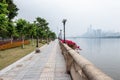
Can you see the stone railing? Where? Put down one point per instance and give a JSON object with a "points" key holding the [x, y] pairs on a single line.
{"points": [[80, 68]]}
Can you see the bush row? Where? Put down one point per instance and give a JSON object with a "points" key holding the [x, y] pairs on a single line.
{"points": [[5, 42], [14, 44]]}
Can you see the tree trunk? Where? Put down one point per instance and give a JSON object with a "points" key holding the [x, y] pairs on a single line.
{"points": [[42, 38], [37, 42], [11, 39], [39, 39], [37, 49], [32, 41], [22, 41]]}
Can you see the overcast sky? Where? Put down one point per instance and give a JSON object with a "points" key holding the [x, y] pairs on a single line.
{"points": [[102, 14]]}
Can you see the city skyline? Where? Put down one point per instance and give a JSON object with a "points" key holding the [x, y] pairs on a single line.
{"points": [[99, 33]]}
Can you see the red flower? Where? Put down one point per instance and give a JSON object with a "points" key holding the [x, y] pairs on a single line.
{"points": [[71, 44]]}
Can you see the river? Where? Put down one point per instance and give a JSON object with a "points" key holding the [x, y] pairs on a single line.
{"points": [[104, 53]]}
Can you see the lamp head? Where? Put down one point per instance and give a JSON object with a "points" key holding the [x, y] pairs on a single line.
{"points": [[64, 21]]}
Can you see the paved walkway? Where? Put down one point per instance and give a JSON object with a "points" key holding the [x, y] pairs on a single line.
{"points": [[47, 65]]}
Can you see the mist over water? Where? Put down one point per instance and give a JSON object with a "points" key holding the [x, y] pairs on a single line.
{"points": [[103, 53]]}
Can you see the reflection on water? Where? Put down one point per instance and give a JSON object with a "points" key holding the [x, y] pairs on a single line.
{"points": [[104, 53]]}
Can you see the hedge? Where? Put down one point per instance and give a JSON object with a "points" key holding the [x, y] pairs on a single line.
{"points": [[13, 45]]}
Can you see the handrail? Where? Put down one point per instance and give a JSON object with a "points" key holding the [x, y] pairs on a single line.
{"points": [[84, 67]]}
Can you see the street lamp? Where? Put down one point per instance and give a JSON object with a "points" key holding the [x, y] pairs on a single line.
{"points": [[64, 21]]}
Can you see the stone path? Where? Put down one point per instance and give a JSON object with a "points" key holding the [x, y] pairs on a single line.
{"points": [[47, 65]]}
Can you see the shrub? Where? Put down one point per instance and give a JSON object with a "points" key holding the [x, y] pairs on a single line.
{"points": [[14, 44]]}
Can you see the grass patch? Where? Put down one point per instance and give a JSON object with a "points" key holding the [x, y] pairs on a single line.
{"points": [[9, 56]]}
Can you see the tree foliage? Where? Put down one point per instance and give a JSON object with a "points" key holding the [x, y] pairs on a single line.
{"points": [[31, 29], [11, 29], [3, 18], [42, 27], [12, 8], [21, 28]]}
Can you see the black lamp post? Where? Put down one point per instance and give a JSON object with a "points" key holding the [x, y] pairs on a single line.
{"points": [[64, 21]]}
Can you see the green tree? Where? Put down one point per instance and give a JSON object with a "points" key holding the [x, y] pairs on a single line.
{"points": [[52, 35], [11, 31], [3, 18], [12, 8], [41, 24], [3, 7], [21, 26], [31, 31]]}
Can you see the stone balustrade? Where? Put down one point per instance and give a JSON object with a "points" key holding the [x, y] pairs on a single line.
{"points": [[80, 68]]}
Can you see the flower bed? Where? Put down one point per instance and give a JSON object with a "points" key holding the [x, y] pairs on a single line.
{"points": [[14, 44], [71, 44], [3, 42]]}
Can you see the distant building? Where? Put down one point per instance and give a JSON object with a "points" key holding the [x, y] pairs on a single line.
{"points": [[60, 35], [98, 33]]}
